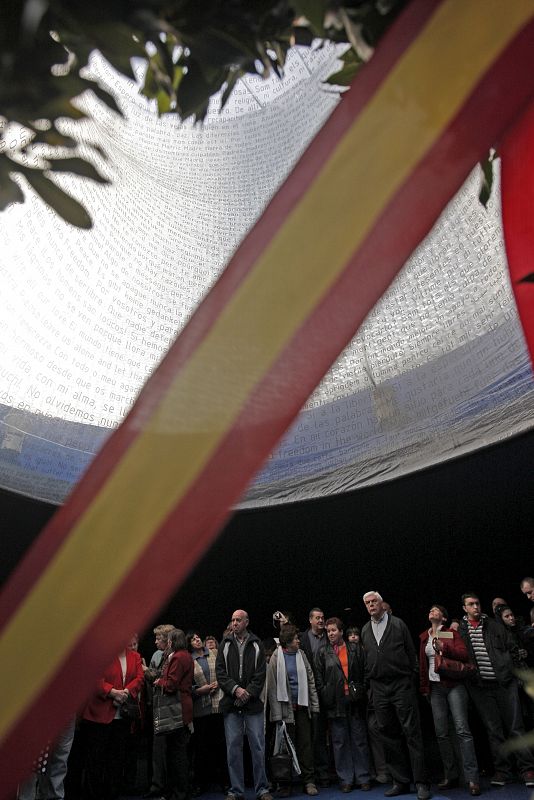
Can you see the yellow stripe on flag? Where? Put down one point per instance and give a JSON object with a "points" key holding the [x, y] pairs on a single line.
{"points": [[405, 117]]}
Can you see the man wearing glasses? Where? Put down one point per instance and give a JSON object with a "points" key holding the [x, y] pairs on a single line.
{"points": [[495, 691]]}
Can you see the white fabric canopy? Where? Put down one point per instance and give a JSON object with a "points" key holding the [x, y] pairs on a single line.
{"points": [[439, 368]]}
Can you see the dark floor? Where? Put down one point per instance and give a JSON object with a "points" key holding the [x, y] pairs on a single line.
{"points": [[514, 791]]}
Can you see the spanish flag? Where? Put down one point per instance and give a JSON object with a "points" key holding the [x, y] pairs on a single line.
{"points": [[447, 81]]}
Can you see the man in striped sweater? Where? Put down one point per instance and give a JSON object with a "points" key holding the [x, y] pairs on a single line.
{"points": [[495, 690]]}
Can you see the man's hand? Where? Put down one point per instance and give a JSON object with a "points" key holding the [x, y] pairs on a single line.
{"points": [[241, 696]]}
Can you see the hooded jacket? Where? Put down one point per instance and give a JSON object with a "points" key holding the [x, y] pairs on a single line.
{"points": [[252, 679]]}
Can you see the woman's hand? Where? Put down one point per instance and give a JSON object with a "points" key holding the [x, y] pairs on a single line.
{"points": [[119, 696]]}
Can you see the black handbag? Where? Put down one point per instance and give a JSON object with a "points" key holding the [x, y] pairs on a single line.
{"points": [[167, 712], [281, 767], [130, 709], [283, 763], [357, 693]]}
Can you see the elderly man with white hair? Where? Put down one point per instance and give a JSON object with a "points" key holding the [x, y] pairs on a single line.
{"points": [[391, 670]]}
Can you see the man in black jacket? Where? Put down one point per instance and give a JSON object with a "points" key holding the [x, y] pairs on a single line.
{"points": [[391, 672], [240, 670], [495, 692]]}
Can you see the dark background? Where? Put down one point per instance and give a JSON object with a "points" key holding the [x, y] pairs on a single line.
{"points": [[463, 526]]}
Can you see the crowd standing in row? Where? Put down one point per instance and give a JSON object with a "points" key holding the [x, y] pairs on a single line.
{"points": [[332, 694]]}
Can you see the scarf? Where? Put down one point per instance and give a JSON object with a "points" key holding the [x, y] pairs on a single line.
{"points": [[281, 678]]}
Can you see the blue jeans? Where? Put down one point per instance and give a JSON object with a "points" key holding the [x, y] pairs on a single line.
{"points": [[456, 700], [235, 725], [351, 752], [50, 783]]}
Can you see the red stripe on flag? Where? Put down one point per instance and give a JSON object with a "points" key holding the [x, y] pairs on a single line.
{"points": [[517, 193]]}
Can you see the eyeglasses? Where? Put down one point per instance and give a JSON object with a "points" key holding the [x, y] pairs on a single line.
{"points": [[473, 603]]}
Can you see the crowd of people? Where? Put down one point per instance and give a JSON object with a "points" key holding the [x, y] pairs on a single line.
{"points": [[329, 700]]}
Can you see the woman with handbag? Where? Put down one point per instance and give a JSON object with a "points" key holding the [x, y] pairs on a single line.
{"points": [[447, 692], [106, 729], [339, 673], [173, 713], [292, 697]]}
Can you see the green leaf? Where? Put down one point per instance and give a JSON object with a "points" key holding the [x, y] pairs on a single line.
{"points": [[351, 64], [117, 44], [150, 87], [10, 192], [54, 138], [280, 53], [177, 77], [194, 92], [314, 11], [230, 83], [78, 166], [165, 58], [164, 102], [303, 36], [63, 204], [106, 98], [217, 47]]}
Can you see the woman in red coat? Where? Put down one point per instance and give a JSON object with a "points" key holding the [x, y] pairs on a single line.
{"points": [[448, 696], [105, 730], [177, 679]]}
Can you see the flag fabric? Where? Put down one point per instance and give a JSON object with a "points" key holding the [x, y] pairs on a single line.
{"points": [[517, 193], [447, 80]]}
